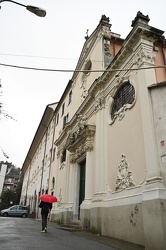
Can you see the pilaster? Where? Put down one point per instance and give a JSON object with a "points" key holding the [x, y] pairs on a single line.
{"points": [[100, 157], [145, 58]]}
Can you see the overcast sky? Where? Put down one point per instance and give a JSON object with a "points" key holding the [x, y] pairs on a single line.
{"points": [[53, 42]]}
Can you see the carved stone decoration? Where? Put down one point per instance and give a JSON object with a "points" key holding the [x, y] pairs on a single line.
{"points": [[84, 94], [124, 177], [107, 53], [81, 120], [73, 158], [84, 88], [144, 55], [121, 113], [80, 141], [62, 165], [105, 27], [99, 103]]}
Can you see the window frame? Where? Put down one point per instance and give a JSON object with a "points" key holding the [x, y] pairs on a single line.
{"points": [[120, 113]]}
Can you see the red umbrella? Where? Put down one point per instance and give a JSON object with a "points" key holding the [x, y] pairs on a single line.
{"points": [[48, 198]]}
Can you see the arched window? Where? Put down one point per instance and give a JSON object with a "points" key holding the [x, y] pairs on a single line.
{"points": [[125, 95]]}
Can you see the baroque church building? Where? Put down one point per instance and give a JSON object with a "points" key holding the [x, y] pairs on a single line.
{"points": [[101, 150]]}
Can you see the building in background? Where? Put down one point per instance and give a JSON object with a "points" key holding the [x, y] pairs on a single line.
{"points": [[101, 150], [3, 169], [36, 167], [9, 176]]}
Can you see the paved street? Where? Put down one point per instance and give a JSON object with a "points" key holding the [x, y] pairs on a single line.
{"points": [[25, 234]]}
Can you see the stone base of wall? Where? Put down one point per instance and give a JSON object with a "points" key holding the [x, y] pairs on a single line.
{"points": [[143, 223], [62, 217]]}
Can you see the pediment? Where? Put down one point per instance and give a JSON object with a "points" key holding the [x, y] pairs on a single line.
{"points": [[82, 136], [102, 30]]}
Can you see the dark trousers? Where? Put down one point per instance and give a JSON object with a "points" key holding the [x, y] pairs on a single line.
{"points": [[44, 220]]}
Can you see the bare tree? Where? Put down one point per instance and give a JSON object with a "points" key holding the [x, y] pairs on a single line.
{"points": [[4, 115]]}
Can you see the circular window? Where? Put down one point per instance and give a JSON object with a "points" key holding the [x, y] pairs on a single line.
{"points": [[125, 95], [123, 99]]}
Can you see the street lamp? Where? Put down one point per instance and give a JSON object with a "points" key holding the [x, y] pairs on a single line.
{"points": [[36, 10]]}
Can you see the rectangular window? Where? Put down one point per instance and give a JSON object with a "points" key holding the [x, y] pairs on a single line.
{"points": [[63, 108], [70, 96], [67, 117], [57, 119], [65, 120], [53, 155]]}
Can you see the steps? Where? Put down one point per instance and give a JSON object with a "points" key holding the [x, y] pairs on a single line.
{"points": [[72, 226]]}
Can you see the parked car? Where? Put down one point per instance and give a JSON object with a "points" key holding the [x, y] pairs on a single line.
{"points": [[16, 210]]}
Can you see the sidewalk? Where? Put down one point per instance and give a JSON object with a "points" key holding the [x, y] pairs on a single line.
{"points": [[118, 244]]}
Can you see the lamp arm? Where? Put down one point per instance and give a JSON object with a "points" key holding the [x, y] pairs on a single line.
{"points": [[12, 2], [35, 10]]}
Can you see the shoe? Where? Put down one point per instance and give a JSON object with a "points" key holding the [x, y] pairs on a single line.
{"points": [[45, 229]]}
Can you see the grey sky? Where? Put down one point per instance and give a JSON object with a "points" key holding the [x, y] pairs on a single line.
{"points": [[55, 42]]}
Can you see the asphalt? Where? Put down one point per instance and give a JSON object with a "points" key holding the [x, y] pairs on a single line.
{"points": [[116, 243], [25, 233]]}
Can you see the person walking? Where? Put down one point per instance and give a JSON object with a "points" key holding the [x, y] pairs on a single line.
{"points": [[45, 209]]}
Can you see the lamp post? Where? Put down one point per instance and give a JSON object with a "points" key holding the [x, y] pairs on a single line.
{"points": [[35, 10]]}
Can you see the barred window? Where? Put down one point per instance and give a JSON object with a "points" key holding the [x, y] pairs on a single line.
{"points": [[125, 95]]}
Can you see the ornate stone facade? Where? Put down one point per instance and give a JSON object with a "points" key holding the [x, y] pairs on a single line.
{"points": [[124, 177]]}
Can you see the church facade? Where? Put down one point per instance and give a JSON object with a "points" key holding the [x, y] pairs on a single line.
{"points": [[107, 148]]}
